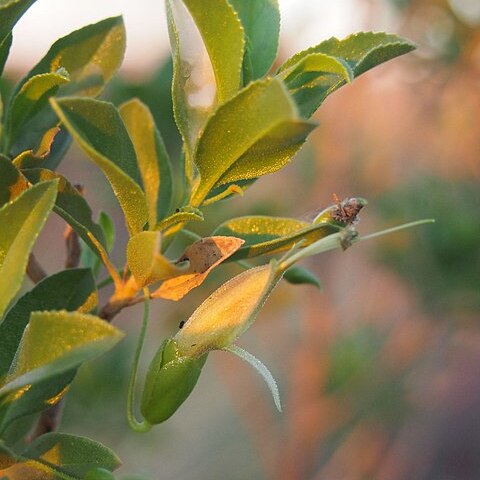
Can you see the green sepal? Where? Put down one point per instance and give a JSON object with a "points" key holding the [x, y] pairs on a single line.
{"points": [[170, 380]]}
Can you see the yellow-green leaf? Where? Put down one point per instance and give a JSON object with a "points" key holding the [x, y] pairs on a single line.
{"points": [[360, 52], [55, 342], [100, 132], [73, 208], [146, 262], [10, 13], [208, 46], [21, 221], [12, 182], [30, 100], [236, 127], [91, 56], [202, 257], [60, 456], [271, 153], [152, 158], [269, 235]]}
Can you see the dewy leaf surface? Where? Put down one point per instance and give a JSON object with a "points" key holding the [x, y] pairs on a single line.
{"points": [[90, 55], [207, 61], [152, 157], [237, 126], [271, 153], [31, 98], [224, 45], [25, 217], [263, 234], [73, 208], [62, 456], [261, 23], [70, 290], [75, 455], [12, 182], [361, 52], [78, 338], [98, 129]]}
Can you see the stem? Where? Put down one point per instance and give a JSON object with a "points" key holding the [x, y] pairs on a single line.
{"points": [[35, 271], [143, 426]]}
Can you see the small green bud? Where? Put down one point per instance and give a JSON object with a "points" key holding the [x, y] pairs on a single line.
{"points": [[99, 474], [170, 380]]}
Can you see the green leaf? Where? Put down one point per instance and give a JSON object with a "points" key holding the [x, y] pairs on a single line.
{"points": [[70, 455], [69, 290], [361, 52], [271, 153], [98, 129], [263, 234], [301, 276], [25, 217], [10, 13], [152, 157], [207, 61], [91, 56], [236, 127], [4, 51], [30, 100], [12, 182], [73, 208], [39, 397], [315, 63], [261, 23], [78, 338], [169, 382]]}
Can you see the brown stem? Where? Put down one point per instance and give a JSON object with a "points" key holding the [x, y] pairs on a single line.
{"points": [[35, 271], [74, 248], [49, 419]]}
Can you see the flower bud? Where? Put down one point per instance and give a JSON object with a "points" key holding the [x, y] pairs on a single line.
{"points": [[227, 312], [170, 380]]}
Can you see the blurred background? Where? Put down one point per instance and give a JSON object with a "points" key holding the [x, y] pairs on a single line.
{"points": [[379, 371]]}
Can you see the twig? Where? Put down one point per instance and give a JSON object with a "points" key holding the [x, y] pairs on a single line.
{"points": [[35, 271], [49, 419]]}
